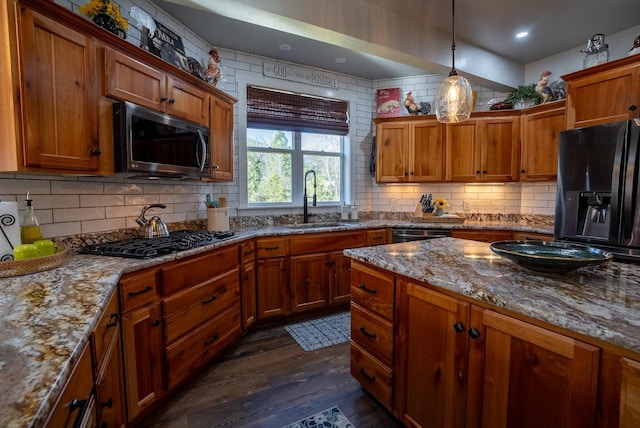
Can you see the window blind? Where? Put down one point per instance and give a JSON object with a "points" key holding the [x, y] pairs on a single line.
{"points": [[268, 108]]}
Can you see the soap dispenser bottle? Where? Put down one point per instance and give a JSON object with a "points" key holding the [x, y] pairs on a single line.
{"points": [[30, 229]]}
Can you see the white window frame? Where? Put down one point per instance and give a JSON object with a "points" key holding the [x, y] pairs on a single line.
{"points": [[244, 79]]}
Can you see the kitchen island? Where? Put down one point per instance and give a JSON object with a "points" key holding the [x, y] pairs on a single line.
{"points": [[465, 317]]}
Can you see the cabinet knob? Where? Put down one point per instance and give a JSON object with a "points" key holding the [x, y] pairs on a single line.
{"points": [[108, 404], [474, 333], [96, 152], [216, 167], [523, 171], [155, 323], [478, 172], [484, 172], [163, 99], [411, 173], [633, 107], [172, 101], [458, 327]]}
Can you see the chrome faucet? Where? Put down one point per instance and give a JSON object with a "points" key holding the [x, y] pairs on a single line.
{"points": [[305, 204]]}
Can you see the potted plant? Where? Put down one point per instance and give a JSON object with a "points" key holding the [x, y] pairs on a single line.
{"points": [[524, 96]]}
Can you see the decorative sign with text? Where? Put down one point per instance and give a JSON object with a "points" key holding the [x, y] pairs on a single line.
{"points": [[301, 75], [388, 102]]}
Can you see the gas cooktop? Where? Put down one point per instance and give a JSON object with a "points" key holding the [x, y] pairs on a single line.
{"points": [[143, 248]]}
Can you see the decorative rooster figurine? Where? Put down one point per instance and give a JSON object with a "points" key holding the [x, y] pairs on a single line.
{"points": [[542, 89], [415, 108], [213, 73]]}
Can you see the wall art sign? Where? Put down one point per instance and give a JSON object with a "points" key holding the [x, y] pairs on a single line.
{"points": [[388, 102], [300, 74]]}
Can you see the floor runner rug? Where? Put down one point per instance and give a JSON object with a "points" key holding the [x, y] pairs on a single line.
{"points": [[322, 332], [330, 418]]}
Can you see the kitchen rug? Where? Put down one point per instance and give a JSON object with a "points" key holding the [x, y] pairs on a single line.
{"points": [[321, 332], [330, 418]]}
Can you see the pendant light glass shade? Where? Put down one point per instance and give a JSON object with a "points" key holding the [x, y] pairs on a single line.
{"points": [[454, 99]]}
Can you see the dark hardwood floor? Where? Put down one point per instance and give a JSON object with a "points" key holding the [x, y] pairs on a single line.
{"points": [[266, 380]]}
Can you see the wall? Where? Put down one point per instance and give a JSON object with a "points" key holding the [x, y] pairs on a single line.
{"points": [[67, 205]]}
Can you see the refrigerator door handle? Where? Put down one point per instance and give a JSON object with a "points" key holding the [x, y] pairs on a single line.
{"points": [[631, 183], [617, 190]]}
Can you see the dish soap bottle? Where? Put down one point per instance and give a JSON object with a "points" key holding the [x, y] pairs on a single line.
{"points": [[30, 229]]}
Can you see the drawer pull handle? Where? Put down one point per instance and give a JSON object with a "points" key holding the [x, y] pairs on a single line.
{"points": [[108, 404], [368, 290], [144, 290], [246, 253], [113, 316], [212, 339], [366, 375], [366, 333], [214, 297], [271, 248], [377, 238]]}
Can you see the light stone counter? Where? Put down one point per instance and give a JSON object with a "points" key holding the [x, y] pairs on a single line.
{"points": [[600, 302], [46, 318]]}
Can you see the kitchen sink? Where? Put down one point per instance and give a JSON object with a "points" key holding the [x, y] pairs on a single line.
{"points": [[314, 225]]}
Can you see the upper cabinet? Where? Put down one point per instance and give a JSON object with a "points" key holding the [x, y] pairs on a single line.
{"points": [[49, 95], [409, 150], [541, 127], [128, 79], [221, 139], [485, 148], [604, 93]]}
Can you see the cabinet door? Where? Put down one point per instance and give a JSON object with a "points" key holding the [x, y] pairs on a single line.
{"points": [[187, 101], [630, 394], [391, 153], [308, 281], [602, 97], [435, 363], [463, 151], [540, 136], [339, 278], [221, 140], [532, 377], [248, 292], [130, 80], [110, 387], [427, 153], [60, 97], [142, 350], [500, 149], [272, 287]]}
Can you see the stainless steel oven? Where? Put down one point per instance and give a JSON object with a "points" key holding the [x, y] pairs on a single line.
{"points": [[411, 234]]}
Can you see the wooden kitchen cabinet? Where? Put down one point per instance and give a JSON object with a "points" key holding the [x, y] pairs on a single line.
{"points": [[221, 139], [248, 289], [76, 405], [481, 235], [272, 277], [49, 120], [604, 93], [308, 281], [409, 150], [339, 278], [541, 127], [128, 79], [630, 394], [485, 148], [142, 341]]}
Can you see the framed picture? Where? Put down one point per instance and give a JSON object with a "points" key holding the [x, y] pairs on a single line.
{"points": [[388, 102]]}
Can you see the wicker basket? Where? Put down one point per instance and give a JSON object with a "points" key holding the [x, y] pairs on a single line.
{"points": [[37, 264], [432, 218]]}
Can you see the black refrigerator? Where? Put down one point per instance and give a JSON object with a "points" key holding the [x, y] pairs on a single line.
{"points": [[598, 191]]}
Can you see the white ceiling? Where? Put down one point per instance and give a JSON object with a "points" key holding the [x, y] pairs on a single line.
{"points": [[395, 38]]}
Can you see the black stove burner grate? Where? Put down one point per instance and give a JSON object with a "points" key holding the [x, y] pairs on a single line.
{"points": [[142, 248]]}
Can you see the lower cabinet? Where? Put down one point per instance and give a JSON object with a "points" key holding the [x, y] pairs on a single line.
{"points": [[110, 388], [272, 287], [435, 360], [482, 235], [308, 281], [630, 394], [339, 278]]}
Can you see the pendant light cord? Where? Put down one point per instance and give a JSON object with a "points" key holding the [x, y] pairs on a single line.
{"points": [[453, 71]]}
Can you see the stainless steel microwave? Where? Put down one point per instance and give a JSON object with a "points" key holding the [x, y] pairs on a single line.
{"points": [[155, 144]]}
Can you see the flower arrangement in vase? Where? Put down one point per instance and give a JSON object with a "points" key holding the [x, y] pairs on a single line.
{"points": [[441, 204], [106, 14]]}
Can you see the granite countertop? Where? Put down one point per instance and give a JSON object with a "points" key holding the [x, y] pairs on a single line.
{"points": [[46, 318], [600, 302]]}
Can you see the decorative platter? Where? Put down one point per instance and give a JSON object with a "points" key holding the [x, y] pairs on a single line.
{"points": [[550, 257]]}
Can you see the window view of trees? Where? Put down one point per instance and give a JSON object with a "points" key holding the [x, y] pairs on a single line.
{"points": [[273, 164]]}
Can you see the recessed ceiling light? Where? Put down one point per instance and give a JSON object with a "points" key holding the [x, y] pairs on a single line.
{"points": [[341, 60], [522, 34], [285, 47]]}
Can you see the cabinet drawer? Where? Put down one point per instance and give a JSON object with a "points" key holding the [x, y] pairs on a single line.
{"points": [[376, 237], [325, 242], [138, 289], [372, 290], [372, 333], [247, 252], [190, 308], [372, 375], [107, 326], [197, 270], [271, 247], [188, 354]]}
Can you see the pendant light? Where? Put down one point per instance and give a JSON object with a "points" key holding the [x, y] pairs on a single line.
{"points": [[454, 99]]}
